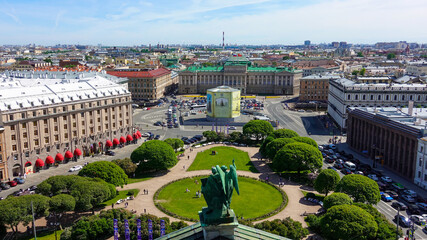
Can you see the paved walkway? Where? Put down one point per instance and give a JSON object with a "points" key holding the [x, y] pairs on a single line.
{"points": [[144, 203]]}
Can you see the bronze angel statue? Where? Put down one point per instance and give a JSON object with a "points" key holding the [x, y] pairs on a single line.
{"points": [[217, 190]]}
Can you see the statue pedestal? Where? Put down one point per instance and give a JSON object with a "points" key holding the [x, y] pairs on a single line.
{"points": [[219, 227]]}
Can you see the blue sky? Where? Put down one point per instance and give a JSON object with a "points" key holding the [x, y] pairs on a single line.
{"points": [[136, 22]]}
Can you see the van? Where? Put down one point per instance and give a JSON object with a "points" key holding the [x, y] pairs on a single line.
{"points": [[350, 166]]}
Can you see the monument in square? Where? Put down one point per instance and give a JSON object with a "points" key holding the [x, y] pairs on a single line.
{"points": [[223, 104]]}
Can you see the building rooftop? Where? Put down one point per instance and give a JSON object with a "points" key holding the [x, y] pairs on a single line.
{"points": [[223, 89], [219, 68], [144, 73], [18, 91], [321, 77], [394, 86]]}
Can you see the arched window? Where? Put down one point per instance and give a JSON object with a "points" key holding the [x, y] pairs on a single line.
{"points": [[395, 97], [379, 97]]}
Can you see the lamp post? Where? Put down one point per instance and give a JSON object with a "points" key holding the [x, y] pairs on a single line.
{"points": [[397, 223]]}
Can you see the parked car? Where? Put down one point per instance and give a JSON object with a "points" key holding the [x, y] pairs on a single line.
{"points": [[373, 177], [399, 205], [346, 171], [12, 183], [4, 186], [386, 179], [422, 206], [333, 168], [232, 128], [110, 153], [157, 137], [403, 221], [410, 193], [385, 197], [147, 134], [338, 165], [75, 168], [397, 186], [408, 198], [329, 159], [392, 194], [417, 219], [19, 180], [414, 209], [359, 172]]}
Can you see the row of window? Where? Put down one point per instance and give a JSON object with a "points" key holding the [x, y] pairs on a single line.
{"points": [[387, 97]]}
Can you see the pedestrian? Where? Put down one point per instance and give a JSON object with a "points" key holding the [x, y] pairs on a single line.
{"points": [[188, 157], [25, 175], [145, 210], [183, 167], [112, 205], [126, 204]]}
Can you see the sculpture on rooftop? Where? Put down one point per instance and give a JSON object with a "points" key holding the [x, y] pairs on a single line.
{"points": [[217, 190]]}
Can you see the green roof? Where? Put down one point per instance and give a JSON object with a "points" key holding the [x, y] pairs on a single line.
{"points": [[199, 68], [204, 69]]}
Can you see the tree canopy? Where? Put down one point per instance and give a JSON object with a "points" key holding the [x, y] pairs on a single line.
{"points": [[154, 155], [307, 140], [326, 181], [274, 146], [107, 171], [264, 144], [391, 56], [297, 157], [285, 133], [360, 188], [175, 143], [285, 228], [127, 165], [210, 136], [258, 129], [348, 222], [336, 199], [62, 203]]}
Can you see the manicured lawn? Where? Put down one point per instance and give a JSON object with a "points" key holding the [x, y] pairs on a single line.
{"points": [[225, 155], [122, 194], [256, 198], [47, 235]]}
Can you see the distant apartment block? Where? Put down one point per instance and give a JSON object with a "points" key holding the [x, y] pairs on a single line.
{"points": [[344, 93], [238, 72], [148, 84], [315, 87], [419, 69]]}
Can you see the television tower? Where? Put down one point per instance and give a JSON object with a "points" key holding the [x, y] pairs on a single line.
{"points": [[223, 46]]}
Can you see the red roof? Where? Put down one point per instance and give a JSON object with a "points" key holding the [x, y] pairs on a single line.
{"points": [[59, 157], [140, 74], [68, 154], [39, 163], [49, 160], [116, 141], [77, 152], [108, 143]]}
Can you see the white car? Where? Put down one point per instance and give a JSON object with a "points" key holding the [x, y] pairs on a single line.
{"points": [[76, 168], [417, 219], [373, 177], [232, 128], [146, 134], [386, 179]]}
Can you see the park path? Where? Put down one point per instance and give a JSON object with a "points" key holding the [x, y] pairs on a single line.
{"points": [[144, 203]]}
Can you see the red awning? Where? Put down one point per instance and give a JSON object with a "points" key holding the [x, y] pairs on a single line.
{"points": [[68, 154], [135, 136], [108, 143], [129, 138], [59, 157], [116, 141], [138, 133], [28, 163], [49, 160], [39, 163], [77, 152], [122, 139]]}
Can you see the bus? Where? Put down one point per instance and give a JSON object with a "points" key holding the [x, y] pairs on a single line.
{"points": [[198, 107]]}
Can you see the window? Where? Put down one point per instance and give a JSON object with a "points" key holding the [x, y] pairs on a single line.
{"points": [[56, 137], [82, 114], [425, 177], [74, 133], [379, 97], [65, 126], [83, 123], [348, 97], [64, 118], [55, 120], [419, 174], [403, 97], [11, 117], [13, 137], [57, 146], [83, 132], [36, 132], [14, 147], [99, 128], [24, 135], [54, 110], [45, 121], [46, 130], [44, 111], [106, 126], [65, 135], [35, 123], [34, 113], [25, 144], [395, 97], [99, 119], [82, 106], [372, 97], [387, 97], [23, 115], [12, 128], [74, 116], [421, 163], [24, 125], [64, 109], [47, 149], [27, 154], [73, 107], [74, 124], [36, 142], [364, 97], [46, 140], [114, 125]]}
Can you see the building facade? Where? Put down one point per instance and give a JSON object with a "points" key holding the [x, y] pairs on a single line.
{"points": [[48, 115], [417, 69], [148, 84], [315, 87], [389, 136], [238, 73], [3, 163], [421, 166], [344, 93]]}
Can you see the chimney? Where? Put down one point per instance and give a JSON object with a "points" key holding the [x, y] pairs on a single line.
{"points": [[410, 107]]}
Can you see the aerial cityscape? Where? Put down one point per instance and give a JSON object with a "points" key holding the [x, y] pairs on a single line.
{"points": [[258, 119]]}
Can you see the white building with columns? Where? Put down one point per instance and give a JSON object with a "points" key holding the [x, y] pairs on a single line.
{"points": [[421, 166]]}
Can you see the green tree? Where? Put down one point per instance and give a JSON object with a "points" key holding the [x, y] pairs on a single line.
{"points": [[297, 157], [274, 146], [355, 72], [348, 222], [360, 188], [363, 71], [91, 193], [360, 54], [62, 203], [386, 230], [154, 155], [258, 129], [336, 199], [285, 228], [175, 143], [326, 181], [107, 171], [391, 56], [210, 136], [235, 137], [285, 133], [264, 144], [307, 140], [127, 165]]}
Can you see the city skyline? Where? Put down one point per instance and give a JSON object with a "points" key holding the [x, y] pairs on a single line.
{"points": [[251, 22]]}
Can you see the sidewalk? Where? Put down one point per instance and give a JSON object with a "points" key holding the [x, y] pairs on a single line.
{"points": [[397, 178]]}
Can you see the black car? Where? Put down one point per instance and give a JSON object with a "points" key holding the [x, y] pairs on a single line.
{"points": [[157, 137], [199, 137], [4, 186], [398, 205], [187, 142], [176, 125], [110, 153], [392, 194], [184, 138], [414, 209]]}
